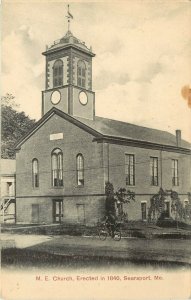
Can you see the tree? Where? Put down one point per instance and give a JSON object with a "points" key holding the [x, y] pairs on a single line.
{"points": [[8, 100], [178, 211], [117, 199], [110, 199], [157, 205], [123, 196], [14, 125], [177, 208], [188, 208]]}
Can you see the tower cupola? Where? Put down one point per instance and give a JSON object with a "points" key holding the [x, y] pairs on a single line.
{"points": [[68, 78], [69, 39]]}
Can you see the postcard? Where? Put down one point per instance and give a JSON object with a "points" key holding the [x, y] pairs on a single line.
{"points": [[95, 150]]}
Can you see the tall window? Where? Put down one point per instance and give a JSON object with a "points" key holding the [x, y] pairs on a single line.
{"points": [[35, 173], [175, 179], [57, 167], [81, 74], [154, 170], [58, 73], [80, 169], [130, 169]]}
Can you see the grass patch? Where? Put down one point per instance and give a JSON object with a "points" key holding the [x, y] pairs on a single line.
{"points": [[168, 229], [170, 223], [27, 259], [54, 229]]}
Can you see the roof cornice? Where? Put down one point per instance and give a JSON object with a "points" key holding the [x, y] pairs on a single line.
{"points": [[65, 47], [141, 144], [68, 85], [47, 116], [98, 137]]}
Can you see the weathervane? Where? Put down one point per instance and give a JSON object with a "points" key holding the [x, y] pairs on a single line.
{"points": [[69, 16]]}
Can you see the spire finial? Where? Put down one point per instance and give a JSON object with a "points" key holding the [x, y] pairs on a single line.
{"points": [[69, 16]]}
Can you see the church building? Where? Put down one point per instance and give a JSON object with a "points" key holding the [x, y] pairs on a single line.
{"points": [[63, 163]]}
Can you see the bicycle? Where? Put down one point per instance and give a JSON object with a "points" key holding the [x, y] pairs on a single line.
{"points": [[106, 230]]}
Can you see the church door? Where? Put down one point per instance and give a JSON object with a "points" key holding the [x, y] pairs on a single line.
{"points": [[144, 211], [167, 209], [57, 210], [35, 213], [81, 213]]}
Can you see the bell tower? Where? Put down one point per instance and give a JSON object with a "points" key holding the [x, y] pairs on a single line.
{"points": [[68, 78]]}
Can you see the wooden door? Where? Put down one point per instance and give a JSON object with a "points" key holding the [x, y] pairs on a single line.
{"points": [[167, 209], [35, 213], [57, 211], [144, 211], [81, 213]]}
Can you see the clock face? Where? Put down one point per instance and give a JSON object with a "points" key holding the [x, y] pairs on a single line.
{"points": [[55, 97], [83, 98]]}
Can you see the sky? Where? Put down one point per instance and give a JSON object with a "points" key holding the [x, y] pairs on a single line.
{"points": [[142, 63]]}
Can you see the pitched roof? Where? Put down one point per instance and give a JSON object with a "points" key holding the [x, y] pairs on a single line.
{"points": [[103, 127], [68, 40], [125, 130]]}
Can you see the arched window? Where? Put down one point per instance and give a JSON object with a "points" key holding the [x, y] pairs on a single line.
{"points": [[57, 167], [58, 73], [80, 169], [35, 173], [81, 74]]}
